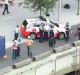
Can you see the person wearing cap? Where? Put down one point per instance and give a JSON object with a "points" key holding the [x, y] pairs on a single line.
{"points": [[16, 32], [67, 32], [14, 47], [28, 44], [78, 32]]}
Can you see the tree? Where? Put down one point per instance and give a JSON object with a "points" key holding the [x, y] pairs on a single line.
{"points": [[48, 5], [40, 5]]}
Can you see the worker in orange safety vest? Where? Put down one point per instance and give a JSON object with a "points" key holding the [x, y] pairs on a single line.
{"points": [[14, 47], [28, 43]]}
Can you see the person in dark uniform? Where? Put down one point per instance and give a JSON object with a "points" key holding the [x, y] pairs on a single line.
{"points": [[51, 32], [6, 3], [41, 39], [52, 42], [67, 33], [79, 32], [18, 48]]}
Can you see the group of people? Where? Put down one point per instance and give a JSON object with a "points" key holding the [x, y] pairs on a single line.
{"points": [[44, 31], [46, 34], [16, 44], [16, 47]]}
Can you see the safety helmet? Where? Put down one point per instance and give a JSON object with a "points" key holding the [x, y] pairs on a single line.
{"points": [[15, 41], [28, 37], [67, 24]]}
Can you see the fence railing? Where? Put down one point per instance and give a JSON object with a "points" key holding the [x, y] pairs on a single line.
{"points": [[55, 64]]}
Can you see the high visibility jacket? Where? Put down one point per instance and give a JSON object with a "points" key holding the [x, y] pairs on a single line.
{"points": [[15, 45], [29, 42]]}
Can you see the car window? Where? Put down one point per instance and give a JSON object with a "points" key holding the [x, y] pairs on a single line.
{"points": [[36, 25], [51, 26], [56, 24], [24, 22]]}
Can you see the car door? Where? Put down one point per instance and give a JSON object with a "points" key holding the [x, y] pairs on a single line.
{"points": [[36, 28]]}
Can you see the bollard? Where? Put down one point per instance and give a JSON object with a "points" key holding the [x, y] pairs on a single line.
{"points": [[22, 63], [43, 55], [76, 43]]}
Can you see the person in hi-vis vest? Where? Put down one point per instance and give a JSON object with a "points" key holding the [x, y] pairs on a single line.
{"points": [[14, 47], [28, 44]]}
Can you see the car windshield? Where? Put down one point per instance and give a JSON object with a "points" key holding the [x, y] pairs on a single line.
{"points": [[54, 23], [51, 26]]}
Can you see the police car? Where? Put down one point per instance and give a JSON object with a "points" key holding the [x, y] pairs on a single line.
{"points": [[30, 27]]}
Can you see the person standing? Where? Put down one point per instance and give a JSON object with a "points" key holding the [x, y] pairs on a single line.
{"points": [[16, 32], [51, 32], [46, 30], [79, 32], [14, 47], [41, 39], [52, 42], [18, 48], [6, 3], [67, 32], [28, 44]]}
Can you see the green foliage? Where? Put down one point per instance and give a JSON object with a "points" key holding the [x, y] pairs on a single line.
{"points": [[45, 5]]}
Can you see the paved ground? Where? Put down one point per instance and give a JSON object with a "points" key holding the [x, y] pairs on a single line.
{"points": [[18, 14], [37, 48]]}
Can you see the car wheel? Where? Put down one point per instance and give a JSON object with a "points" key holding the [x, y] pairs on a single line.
{"points": [[33, 36], [61, 35]]}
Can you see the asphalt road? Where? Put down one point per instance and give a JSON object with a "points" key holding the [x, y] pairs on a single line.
{"points": [[16, 16], [37, 48]]}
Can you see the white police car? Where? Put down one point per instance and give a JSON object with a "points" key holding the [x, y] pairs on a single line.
{"points": [[30, 27]]}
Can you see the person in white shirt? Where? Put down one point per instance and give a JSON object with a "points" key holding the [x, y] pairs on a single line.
{"points": [[16, 32], [46, 30], [6, 3]]}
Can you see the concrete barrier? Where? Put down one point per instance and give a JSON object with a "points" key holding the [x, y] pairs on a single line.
{"points": [[22, 63], [5, 70], [43, 55], [76, 43], [62, 48]]}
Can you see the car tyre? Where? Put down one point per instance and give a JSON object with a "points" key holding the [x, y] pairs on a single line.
{"points": [[33, 36], [61, 35]]}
